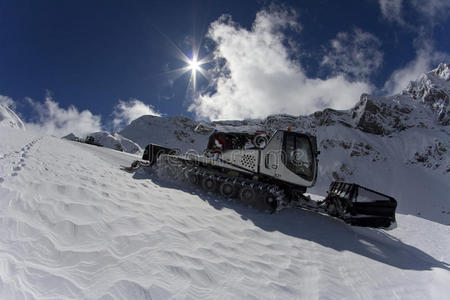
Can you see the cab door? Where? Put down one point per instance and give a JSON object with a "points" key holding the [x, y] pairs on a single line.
{"points": [[299, 155], [290, 157], [271, 156]]}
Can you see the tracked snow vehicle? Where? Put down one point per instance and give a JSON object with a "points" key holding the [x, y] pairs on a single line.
{"points": [[270, 173]]}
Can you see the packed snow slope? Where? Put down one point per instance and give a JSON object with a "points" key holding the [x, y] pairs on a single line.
{"points": [[74, 226], [398, 145]]}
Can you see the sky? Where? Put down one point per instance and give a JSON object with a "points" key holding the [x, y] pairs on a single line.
{"points": [[84, 66]]}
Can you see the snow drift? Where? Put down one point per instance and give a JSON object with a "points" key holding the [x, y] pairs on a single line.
{"points": [[73, 225]]}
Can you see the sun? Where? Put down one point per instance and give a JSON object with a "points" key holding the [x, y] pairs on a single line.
{"points": [[194, 65]]}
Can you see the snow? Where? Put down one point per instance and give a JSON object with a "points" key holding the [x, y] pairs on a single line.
{"points": [[73, 225], [8, 118], [115, 141], [389, 166], [71, 137], [170, 132]]}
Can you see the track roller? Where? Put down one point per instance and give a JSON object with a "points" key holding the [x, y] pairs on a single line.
{"points": [[270, 201], [192, 178], [227, 189], [209, 184], [247, 195]]}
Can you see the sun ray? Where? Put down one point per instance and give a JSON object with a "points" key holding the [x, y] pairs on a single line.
{"points": [[193, 64]]}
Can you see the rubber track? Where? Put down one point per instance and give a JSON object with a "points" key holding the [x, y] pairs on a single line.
{"points": [[180, 173]]}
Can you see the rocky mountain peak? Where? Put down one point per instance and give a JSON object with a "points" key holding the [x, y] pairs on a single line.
{"points": [[424, 103], [433, 90], [442, 71]]}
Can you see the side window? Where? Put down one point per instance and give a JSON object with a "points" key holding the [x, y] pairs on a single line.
{"points": [[303, 154], [298, 155], [290, 144]]}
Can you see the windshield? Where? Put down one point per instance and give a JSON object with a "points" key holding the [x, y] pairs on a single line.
{"points": [[298, 155]]}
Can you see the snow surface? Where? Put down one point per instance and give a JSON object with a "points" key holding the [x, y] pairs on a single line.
{"points": [[115, 141], [8, 118], [71, 137], [74, 226], [170, 132]]}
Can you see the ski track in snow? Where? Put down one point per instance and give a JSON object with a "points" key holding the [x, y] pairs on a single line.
{"points": [[73, 225]]}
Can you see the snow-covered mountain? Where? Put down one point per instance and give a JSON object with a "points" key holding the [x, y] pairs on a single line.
{"points": [[8, 118], [109, 140], [399, 144], [173, 132], [114, 141]]}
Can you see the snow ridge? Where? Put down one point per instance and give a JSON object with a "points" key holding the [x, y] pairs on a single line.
{"points": [[8, 118], [115, 141]]}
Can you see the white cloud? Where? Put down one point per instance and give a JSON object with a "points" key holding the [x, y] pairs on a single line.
{"points": [[425, 60], [434, 10], [58, 121], [256, 76], [422, 17], [127, 111], [7, 101], [356, 54], [392, 10]]}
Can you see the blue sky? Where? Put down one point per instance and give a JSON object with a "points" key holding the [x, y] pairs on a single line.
{"points": [[88, 65]]}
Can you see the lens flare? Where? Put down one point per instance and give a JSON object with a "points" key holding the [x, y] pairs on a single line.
{"points": [[194, 65]]}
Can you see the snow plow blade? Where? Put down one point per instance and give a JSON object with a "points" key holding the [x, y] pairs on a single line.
{"points": [[360, 206], [153, 151]]}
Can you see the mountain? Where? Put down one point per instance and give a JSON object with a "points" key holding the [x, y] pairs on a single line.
{"points": [[398, 144], [75, 226], [114, 141], [432, 89], [8, 118], [72, 137], [173, 132], [109, 140]]}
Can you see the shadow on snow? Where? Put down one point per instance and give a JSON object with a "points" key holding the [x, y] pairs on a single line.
{"points": [[332, 233]]}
